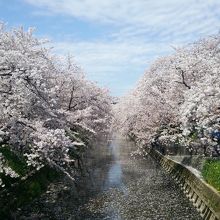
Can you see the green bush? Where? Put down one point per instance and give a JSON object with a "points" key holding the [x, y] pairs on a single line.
{"points": [[25, 191], [211, 172], [18, 164]]}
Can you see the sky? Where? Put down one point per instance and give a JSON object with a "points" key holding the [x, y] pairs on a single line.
{"points": [[115, 41]]}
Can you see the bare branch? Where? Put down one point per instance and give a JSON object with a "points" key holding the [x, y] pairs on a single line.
{"points": [[183, 77], [6, 92], [71, 99]]}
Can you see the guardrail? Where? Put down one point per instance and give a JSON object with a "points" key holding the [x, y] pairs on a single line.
{"points": [[203, 196]]}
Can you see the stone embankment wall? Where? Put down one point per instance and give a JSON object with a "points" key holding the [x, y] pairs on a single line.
{"points": [[203, 196]]}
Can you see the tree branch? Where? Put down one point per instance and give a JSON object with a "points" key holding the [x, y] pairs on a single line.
{"points": [[6, 92], [71, 99], [183, 77]]}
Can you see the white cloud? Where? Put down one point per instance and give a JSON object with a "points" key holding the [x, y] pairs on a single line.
{"points": [[139, 31], [153, 15], [110, 62]]}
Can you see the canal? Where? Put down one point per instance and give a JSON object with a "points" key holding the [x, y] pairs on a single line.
{"points": [[116, 186]]}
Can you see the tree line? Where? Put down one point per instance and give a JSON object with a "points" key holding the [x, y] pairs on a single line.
{"points": [[177, 101], [49, 111]]}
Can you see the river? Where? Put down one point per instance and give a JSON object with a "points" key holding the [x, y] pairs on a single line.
{"points": [[117, 186]]}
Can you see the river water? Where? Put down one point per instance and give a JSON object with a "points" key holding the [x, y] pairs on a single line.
{"points": [[117, 186]]}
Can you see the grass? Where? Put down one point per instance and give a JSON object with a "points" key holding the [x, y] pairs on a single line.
{"points": [[18, 164], [26, 190], [211, 172]]}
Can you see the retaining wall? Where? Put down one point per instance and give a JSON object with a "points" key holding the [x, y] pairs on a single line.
{"points": [[203, 196]]}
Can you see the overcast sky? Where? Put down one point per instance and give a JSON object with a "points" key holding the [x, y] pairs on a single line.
{"points": [[115, 40]]}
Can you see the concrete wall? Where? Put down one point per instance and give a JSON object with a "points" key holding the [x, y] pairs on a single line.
{"points": [[204, 197]]}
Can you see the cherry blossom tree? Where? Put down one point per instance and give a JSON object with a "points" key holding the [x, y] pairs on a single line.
{"points": [[177, 100], [47, 105]]}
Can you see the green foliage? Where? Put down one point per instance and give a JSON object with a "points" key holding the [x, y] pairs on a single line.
{"points": [[194, 135], [34, 185], [211, 172], [25, 191], [18, 164]]}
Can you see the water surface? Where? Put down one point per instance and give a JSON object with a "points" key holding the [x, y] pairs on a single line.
{"points": [[117, 186]]}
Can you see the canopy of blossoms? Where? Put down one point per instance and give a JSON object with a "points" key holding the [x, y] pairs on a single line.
{"points": [[177, 101], [45, 104]]}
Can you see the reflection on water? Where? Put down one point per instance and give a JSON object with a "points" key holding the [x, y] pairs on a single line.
{"points": [[114, 148], [114, 177], [132, 188], [115, 187]]}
